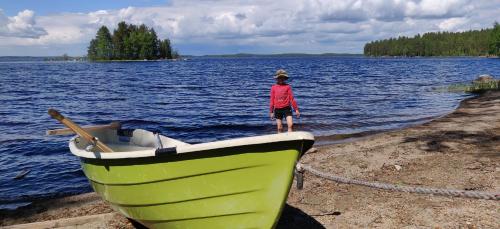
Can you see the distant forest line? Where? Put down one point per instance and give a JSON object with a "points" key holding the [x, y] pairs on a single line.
{"points": [[484, 42], [253, 55], [129, 42]]}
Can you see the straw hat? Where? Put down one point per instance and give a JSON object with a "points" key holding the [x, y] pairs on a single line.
{"points": [[280, 73]]}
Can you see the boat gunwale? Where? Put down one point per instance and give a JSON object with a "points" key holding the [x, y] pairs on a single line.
{"points": [[302, 145], [202, 147]]}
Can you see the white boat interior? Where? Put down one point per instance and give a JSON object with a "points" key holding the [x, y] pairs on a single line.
{"points": [[142, 143]]}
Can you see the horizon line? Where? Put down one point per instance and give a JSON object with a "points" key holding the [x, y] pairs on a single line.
{"points": [[204, 55]]}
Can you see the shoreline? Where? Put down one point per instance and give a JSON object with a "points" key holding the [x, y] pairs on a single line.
{"points": [[330, 140], [425, 160]]}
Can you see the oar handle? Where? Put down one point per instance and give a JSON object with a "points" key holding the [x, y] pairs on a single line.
{"points": [[55, 114], [78, 130]]}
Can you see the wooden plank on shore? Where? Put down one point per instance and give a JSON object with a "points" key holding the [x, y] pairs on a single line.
{"points": [[67, 222], [68, 131]]}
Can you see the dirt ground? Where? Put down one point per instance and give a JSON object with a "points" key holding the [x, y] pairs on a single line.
{"points": [[66, 207], [458, 151]]}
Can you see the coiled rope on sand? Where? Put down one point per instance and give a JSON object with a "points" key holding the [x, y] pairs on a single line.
{"points": [[392, 187]]}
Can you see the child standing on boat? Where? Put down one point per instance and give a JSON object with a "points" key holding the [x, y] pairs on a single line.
{"points": [[280, 101]]}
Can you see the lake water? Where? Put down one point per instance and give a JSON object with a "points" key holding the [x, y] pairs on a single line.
{"points": [[206, 99]]}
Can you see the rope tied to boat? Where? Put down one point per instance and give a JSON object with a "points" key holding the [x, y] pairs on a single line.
{"points": [[398, 188]]}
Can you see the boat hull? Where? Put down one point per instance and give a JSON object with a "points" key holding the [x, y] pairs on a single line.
{"points": [[235, 187]]}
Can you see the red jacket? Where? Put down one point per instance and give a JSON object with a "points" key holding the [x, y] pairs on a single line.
{"points": [[281, 96]]}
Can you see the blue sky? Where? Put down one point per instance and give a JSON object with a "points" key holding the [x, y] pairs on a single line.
{"points": [[45, 27], [47, 7]]}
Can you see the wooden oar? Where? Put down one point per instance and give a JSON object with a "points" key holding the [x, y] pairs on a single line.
{"points": [[68, 131], [79, 131]]}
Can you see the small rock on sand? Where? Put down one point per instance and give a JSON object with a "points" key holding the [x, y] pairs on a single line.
{"points": [[474, 165], [484, 79], [312, 150]]}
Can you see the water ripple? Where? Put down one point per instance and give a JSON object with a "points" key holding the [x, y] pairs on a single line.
{"points": [[206, 99]]}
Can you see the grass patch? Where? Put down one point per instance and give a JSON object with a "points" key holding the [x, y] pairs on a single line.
{"points": [[476, 87]]}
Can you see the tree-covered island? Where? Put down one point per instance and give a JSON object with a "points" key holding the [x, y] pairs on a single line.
{"points": [[484, 42], [129, 42]]}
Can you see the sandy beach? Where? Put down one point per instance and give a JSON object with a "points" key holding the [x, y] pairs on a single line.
{"points": [[458, 151]]}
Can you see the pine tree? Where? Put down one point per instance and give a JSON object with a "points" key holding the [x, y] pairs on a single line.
{"points": [[104, 44], [165, 49], [162, 50], [175, 54], [130, 43], [154, 43], [119, 36], [142, 42], [495, 40], [92, 50]]}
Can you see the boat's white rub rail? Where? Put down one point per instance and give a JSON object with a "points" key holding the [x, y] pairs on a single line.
{"points": [[263, 139]]}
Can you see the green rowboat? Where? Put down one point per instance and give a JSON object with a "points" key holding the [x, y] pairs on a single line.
{"points": [[161, 182]]}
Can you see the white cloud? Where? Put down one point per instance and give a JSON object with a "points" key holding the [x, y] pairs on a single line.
{"points": [[281, 25], [439, 9], [386, 10], [22, 25], [452, 23]]}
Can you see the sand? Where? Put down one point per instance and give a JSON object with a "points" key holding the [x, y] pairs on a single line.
{"points": [[459, 151]]}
